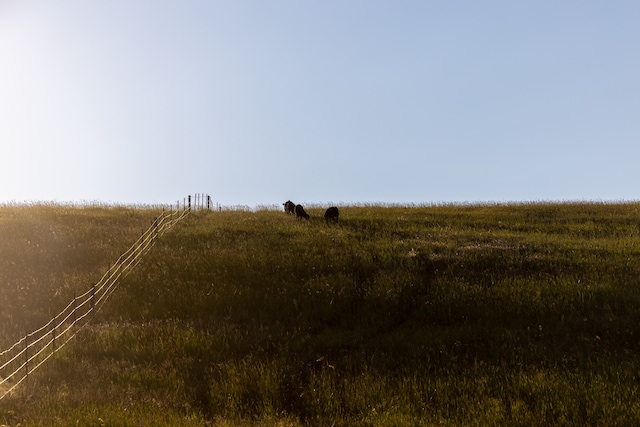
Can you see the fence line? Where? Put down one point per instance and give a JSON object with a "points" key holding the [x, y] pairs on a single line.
{"points": [[34, 348]]}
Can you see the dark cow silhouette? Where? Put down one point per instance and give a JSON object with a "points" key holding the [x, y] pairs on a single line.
{"points": [[331, 214], [300, 213], [289, 207]]}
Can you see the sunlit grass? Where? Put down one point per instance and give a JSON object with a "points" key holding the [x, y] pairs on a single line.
{"points": [[48, 253], [516, 314]]}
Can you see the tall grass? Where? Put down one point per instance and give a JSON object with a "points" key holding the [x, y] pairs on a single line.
{"points": [[50, 252], [523, 314]]}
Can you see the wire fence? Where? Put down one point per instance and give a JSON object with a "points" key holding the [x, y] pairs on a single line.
{"points": [[34, 348]]}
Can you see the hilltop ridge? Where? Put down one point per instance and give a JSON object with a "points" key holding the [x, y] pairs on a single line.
{"points": [[476, 314]]}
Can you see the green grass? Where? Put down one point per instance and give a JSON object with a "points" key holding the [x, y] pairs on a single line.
{"points": [[517, 314]]}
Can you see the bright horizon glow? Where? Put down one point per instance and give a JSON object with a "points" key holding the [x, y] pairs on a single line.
{"points": [[355, 102]]}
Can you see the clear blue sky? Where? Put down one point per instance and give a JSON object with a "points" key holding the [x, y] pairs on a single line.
{"points": [[256, 102]]}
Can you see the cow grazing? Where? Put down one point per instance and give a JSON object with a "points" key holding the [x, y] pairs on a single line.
{"points": [[300, 213], [289, 207], [331, 214]]}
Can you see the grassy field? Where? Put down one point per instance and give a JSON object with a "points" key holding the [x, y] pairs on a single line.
{"points": [[517, 314]]}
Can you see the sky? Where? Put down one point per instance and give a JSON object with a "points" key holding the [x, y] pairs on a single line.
{"points": [[256, 102]]}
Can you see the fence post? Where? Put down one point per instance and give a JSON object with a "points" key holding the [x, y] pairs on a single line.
{"points": [[75, 307], [26, 355], [208, 202], [93, 298], [113, 272], [155, 225]]}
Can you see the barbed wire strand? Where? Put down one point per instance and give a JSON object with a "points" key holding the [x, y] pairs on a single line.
{"points": [[60, 329]]}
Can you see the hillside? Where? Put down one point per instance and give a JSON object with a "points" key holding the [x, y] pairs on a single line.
{"points": [[458, 315]]}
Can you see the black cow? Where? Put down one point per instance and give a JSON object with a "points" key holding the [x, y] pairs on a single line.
{"points": [[289, 207], [331, 214], [300, 213]]}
